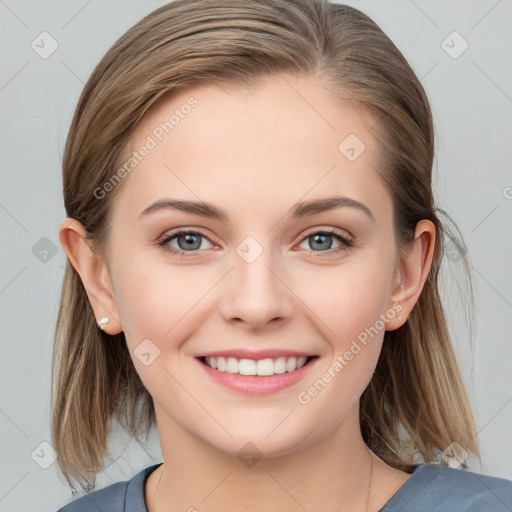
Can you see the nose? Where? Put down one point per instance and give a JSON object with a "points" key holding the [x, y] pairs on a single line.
{"points": [[255, 293]]}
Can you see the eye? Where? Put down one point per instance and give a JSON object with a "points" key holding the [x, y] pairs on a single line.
{"points": [[190, 241], [323, 240], [187, 240]]}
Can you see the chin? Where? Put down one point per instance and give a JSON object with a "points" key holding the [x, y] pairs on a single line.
{"points": [[269, 437]]}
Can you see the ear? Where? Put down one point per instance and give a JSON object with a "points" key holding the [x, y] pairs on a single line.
{"points": [[411, 274], [93, 271]]}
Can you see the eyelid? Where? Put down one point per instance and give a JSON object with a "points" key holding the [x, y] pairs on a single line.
{"points": [[331, 230], [346, 243], [186, 230], [168, 235], [345, 238]]}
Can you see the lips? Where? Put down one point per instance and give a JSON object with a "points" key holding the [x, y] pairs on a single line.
{"points": [[257, 372], [262, 363], [256, 354]]}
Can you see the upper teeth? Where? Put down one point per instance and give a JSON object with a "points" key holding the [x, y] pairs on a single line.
{"points": [[265, 367]]}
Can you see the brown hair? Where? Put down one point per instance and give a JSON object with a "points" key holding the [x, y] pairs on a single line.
{"points": [[417, 384]]}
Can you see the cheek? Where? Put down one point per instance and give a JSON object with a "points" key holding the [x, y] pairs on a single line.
{"points": [[162, 303], [155, 305], [166, 305], [141, 303], [347, 302], [348, 298]]}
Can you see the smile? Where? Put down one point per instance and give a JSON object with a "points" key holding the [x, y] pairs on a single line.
{"points": [[262, 367], [251, 376]]}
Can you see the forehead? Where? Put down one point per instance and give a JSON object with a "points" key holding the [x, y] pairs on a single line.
{"points": [[267, 147]]}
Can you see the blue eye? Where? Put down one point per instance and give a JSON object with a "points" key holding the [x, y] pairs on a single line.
{"points": [[189, 241], [321, 240]]}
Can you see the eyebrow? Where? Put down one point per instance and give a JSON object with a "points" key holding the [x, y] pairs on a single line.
{"points": [[298, 210]]}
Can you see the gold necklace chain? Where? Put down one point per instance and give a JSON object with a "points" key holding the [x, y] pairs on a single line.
{"points": [[367, 496]]}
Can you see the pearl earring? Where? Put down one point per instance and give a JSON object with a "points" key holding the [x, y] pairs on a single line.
{"points": [[103, 321]]}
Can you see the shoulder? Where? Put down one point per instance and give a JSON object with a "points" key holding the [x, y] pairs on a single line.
{"points": [[108, 499], [125, 496], [437, 488]]}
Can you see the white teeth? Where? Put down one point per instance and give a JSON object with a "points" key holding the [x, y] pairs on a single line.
{"points": [[301, 361], [291, 364], [231, 365], [246, 367], [263, 367], [280, 365]]}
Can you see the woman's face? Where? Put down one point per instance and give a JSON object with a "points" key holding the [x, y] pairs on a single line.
{"points": [[253, 282]]}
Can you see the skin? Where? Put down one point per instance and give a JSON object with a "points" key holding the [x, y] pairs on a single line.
{"points": [[256, 153]]}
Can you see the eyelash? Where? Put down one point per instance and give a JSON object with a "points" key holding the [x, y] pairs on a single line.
{"points": [[346, 243]]}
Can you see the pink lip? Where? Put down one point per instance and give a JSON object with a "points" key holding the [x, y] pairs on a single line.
{"points": [[256, 384], [255, 354]]}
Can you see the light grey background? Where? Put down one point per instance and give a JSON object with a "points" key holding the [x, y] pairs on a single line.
{"points": [[471, 97]]}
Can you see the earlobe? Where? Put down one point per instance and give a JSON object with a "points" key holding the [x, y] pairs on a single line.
{"points": [[414, 269], [93, 272]]}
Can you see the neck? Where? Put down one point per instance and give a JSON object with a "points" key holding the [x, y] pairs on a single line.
{"points": [[332, 473]]}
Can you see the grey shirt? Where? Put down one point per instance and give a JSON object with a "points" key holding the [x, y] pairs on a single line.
{"points": [[431, 488]]}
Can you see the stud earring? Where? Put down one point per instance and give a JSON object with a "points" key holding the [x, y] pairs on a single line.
{"points": [[104, 321]]}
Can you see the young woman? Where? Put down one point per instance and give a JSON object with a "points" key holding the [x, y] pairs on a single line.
{"points": [[215, 149]]}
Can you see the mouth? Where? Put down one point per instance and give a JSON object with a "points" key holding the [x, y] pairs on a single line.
{"points": [[266, 367], [256, 376]]}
